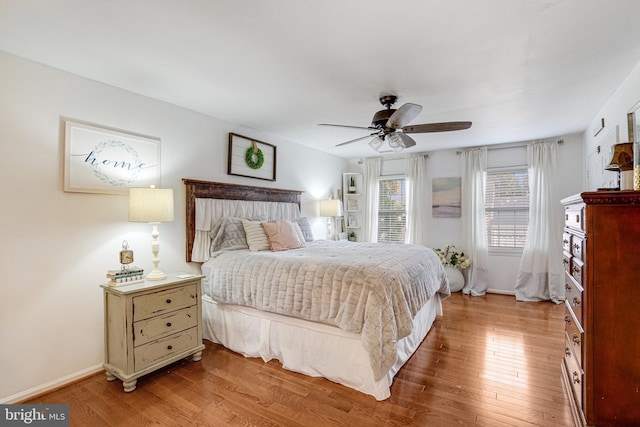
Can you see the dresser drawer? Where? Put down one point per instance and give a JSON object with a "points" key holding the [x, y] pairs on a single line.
{"points": [[566, 260], [156, 303], [574, 332], [574, 295], [566, 242], [577, 248], [574, 217], [157, 351], [577, 270], [575, 374], [151, 329]]}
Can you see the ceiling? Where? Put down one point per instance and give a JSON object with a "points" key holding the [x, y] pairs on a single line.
{"points": [[519, 70]]}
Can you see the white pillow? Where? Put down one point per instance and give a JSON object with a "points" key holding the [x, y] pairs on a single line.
{"points": [[256, 237]]}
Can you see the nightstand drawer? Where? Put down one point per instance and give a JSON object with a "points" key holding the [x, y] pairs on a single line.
{"points": [[156, 303], [148, 330], [148, 354]]}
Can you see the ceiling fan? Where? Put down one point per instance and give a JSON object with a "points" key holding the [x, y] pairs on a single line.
{"points": [[391, 125]]}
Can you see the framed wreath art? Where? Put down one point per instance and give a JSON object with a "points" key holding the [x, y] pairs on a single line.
{"points": [[251, 158]]}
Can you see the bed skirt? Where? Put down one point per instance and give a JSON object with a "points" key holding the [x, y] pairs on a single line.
{"points": [[313, 349]]}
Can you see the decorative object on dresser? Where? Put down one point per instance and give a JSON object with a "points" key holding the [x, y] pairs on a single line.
{"points": [[150, 325], [600, 370], [622, 163], [152, 205]]}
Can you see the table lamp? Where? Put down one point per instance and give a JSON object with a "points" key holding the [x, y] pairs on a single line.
{"points": [[331, 208], [152, 205]]}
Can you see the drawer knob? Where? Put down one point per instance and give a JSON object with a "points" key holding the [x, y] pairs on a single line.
{"points": [[566, 319], [576, 377], [168, 324], [169, 347], [567, 287], [576, 340], [565, 260], [576, 301], [576, 269], [577, 218], [567, 351], [168, 301]]}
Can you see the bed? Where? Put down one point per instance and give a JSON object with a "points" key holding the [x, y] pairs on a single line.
{"points": [[352, 313]]}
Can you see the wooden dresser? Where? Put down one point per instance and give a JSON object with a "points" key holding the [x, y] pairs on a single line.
{"points": [[149, 325], [601, 366]]}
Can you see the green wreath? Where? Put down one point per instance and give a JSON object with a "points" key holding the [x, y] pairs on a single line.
{"points": [[249, 158]]}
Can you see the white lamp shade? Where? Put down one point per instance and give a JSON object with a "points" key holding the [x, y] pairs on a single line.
{"points": [[330, 207], [150, 205]]}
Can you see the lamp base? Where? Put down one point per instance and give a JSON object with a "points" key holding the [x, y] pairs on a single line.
{"points": [[156, 275]]}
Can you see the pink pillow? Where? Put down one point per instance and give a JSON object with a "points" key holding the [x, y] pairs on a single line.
{"points": [[282, 235]]}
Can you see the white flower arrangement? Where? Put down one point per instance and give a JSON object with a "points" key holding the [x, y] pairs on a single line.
{"points": [[453, 257]]}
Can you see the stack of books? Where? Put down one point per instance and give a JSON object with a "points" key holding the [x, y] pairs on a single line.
{"points": [[125, 277]]}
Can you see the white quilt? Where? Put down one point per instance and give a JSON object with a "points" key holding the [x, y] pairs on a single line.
{"points": [[373, 289]]}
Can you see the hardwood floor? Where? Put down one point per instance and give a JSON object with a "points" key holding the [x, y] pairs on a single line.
{"points": [[490, 361]]}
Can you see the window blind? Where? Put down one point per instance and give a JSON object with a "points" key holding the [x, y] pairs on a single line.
{"points": [[507, 208], [392, 210]]}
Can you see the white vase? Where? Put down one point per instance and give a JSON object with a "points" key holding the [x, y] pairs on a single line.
{"points": [[456, 279]]}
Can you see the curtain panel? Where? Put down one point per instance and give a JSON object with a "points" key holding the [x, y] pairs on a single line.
{"points": [[371, 173], [417, 199], [474, 171], [540, 276]]}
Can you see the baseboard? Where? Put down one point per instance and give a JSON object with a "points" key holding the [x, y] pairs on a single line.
{"points": [[52, 385]]}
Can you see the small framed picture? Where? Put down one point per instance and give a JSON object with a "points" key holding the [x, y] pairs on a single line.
{"points": [[353, 221], [352, 204]]}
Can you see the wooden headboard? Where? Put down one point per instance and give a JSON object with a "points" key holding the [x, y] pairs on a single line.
{"points": [[220, 190]]}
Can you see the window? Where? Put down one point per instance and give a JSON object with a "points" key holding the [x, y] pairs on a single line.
{"points": [[392, 210], [507, 208]]}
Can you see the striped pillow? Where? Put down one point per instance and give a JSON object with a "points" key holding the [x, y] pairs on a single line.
{"points": [[256, 237]]}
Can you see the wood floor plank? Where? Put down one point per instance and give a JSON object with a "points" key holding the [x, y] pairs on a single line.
{"points": [[489, 361]]}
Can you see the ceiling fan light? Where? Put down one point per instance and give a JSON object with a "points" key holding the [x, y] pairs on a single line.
{"points": [[376, 143], [395, 142]]}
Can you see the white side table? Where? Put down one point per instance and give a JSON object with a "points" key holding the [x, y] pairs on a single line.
{"points": [[149, 325]]}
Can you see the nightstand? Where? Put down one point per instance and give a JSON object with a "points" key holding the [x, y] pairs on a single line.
{"points": [[151, 324]]}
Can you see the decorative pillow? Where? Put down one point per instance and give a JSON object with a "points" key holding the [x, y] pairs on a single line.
{"points": [[229, 234], [305, 227], [256, 237], [283, 235]]}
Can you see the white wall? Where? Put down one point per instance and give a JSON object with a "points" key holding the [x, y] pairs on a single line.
{"points": [[56, 246], [614, 113], [444, 231]]}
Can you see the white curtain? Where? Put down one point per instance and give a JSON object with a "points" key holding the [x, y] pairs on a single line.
{"points": [[416, 199], [371, 169], [540, 277], [474, 171]]}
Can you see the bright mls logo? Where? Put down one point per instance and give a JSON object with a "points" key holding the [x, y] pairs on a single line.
{"points": [[34, 415]]}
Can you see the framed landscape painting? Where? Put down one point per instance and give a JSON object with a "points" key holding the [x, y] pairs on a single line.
{"points": [[446, 197]]}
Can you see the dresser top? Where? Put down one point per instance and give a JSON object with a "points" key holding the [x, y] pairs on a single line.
{"points": [[604, 198]]}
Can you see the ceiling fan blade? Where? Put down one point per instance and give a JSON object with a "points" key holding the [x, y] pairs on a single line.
{"points": [[347, 126], [436, 127], [357, 139], [407, 141], [404, 115]]}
